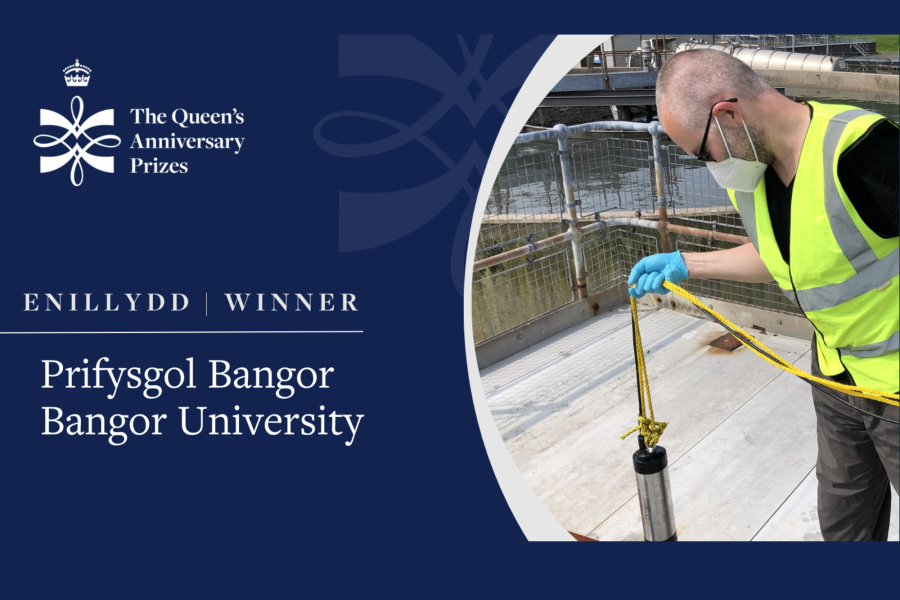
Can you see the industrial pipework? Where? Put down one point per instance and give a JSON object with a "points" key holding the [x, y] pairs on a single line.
{"points": [[756, 58]]}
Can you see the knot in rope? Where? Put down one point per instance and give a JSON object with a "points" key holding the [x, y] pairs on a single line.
{"points": [[650, 429]]}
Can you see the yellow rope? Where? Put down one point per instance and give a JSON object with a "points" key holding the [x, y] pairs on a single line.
{"points": [[649, 427], [852, 390], [652, 430]]}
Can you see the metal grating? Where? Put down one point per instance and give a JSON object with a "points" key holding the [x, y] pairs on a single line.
{"points": [[762, 295], [613, 174], [515, 296], [527, 198]]}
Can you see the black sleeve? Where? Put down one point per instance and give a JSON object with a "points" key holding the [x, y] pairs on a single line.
{"points": [[869, 172]]}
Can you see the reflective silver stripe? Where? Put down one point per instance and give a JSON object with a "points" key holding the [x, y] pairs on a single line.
{"points": [[854, 246], [747, 210], [790, 295], [892, 344], [870, 278]]}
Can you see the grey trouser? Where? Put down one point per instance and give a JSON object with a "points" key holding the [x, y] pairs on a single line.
{"points": [[858, 462]]}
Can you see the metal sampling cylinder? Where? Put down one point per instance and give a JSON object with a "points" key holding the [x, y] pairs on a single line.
{"points": [[652, 473]]}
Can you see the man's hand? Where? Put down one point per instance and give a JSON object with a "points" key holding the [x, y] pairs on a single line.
{"points": [[650, 272]]}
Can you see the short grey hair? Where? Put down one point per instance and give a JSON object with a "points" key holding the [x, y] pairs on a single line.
{"points": [[690, 80]]}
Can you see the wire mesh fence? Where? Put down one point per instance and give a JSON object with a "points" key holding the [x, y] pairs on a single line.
{"points": [[527, 199], [762, 295], [609, 258], [613, 174], [693, 193], [517, 295], [527, 203]]}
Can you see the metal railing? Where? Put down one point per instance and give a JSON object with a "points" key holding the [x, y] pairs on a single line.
{"points": [[612, 201], [791, 41], [527, 199], [865, 64], [621, 60]]}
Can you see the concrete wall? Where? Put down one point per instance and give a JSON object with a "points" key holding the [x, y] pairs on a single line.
{"points": [[868, 82]]}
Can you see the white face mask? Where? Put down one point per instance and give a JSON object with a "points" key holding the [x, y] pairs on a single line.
{"points": [[735, 173]]}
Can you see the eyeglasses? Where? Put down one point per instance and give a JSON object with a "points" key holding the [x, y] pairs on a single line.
{"points": [[703, 156]]}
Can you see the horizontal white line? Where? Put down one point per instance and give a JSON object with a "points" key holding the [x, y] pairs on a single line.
{"points": [[129, 332]]}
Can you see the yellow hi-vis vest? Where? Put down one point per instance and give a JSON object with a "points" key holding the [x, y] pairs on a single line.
{"points": [[842, 275]]}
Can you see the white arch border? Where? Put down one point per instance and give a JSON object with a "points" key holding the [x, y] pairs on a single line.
{"points": [[536, 522]]}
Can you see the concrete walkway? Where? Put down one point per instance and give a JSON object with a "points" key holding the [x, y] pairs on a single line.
{"points": [[741, 437]]}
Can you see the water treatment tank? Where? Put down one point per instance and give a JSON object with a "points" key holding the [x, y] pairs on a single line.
{"points": [[773, 59]]}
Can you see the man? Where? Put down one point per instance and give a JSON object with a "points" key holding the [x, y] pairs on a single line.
{"points": [[816, 186]]}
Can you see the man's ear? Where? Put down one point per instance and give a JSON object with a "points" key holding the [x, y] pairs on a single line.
{"points": [[728, 112]]}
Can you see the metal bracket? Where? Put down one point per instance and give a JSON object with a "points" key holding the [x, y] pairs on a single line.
{"points": [[637, 213], [529, 258], [530, 238]]}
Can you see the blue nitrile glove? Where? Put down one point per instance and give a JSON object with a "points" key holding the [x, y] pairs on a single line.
{"points": [[649, 273]]}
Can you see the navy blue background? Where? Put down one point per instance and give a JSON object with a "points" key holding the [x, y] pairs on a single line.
{"points": [[417, 483], [265, 220]]}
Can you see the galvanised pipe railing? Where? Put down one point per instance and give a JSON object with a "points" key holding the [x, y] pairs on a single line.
{"points": [[575, 233]]}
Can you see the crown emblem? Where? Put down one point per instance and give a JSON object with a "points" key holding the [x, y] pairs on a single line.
{"points": [[77, 75]]}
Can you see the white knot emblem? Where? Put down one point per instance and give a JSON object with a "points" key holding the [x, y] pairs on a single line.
{"points": [[77, 129]]}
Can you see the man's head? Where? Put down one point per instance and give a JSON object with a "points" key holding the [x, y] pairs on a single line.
{"points": [[693, 83]]}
